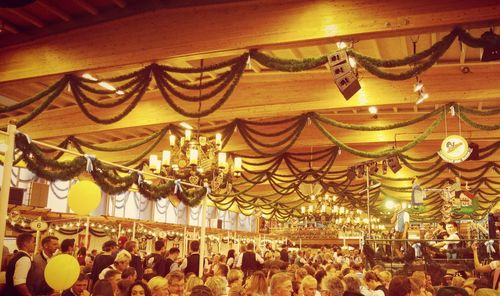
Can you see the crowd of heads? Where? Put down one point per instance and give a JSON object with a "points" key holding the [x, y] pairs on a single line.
{"points": [[119, 270]]}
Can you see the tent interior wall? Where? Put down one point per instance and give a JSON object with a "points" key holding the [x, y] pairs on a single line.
{"points": [[269, 92]]}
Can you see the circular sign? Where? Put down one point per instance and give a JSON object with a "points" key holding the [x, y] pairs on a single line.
{"points": [[454, 149], [39, 225]]}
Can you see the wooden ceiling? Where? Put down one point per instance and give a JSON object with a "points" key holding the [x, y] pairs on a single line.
{"points": [[42, 41]]}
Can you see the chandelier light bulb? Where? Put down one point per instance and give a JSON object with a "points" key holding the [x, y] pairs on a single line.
{"points": [[153, 158], [187, 134], [193, 156], [166, 157], [303, 209], [238, 164], [172, 140], [218, 140], [222, 159]]}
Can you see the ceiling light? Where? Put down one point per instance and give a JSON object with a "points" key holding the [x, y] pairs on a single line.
{"points": [[120, 92], [341, 45], [390, 204], [418, 86], [352, 62], [372, 109], [89, 77], [106, 85], [186, 125]]}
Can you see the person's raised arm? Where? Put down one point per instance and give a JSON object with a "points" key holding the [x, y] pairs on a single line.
{"points": [[477, 265]]}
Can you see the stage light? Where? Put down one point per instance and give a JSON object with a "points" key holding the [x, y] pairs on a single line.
{"points": [[345, 78], [341, 45], [373, 167], [390, 204], [393, 163], [373, 109]]}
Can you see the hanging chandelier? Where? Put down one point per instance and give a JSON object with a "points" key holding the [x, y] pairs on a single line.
{"points": [[198, 159]]}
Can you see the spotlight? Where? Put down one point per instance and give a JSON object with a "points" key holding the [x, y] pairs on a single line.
{"points": [[373, 109], [360, 171], [393, 163], [351, 173], [373, 167], [341, 45], [384, 166], [345, 78], [490, 53], [390, 204]]}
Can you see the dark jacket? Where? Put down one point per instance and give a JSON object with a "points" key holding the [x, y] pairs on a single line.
{"points": [[36, 278]]}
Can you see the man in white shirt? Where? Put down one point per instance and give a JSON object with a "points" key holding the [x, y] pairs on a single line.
{"points": [[401, 221], [19, 266], [451, 243], [36, 279]]}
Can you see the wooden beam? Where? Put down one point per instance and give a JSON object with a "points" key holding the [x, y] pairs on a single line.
{"points": [[322, 94], [27, 17], [54, 10], [87, 7], [280, 24]]}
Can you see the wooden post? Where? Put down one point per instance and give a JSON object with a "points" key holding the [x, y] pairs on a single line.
{"points": [[37, 242], [202, 235], [87, 232], [133, 230], [368, 203], [7, 171]]}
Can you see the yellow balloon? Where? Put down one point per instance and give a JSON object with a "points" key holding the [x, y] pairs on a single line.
{"points": [[84, 197], [61, 272]]}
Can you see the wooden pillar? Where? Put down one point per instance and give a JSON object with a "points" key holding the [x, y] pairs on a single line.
{"points": [[7, 171]]}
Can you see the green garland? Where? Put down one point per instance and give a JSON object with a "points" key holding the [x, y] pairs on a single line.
{"points": [[109, 181], [384, 152], [474, 124], [287, 65]]}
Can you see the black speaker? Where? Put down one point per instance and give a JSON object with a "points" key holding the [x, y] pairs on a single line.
{"points": [[345, 78], [16, 196]]}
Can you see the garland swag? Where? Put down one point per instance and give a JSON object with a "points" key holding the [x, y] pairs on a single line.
{"points": [[109, 181], [134, 85]]}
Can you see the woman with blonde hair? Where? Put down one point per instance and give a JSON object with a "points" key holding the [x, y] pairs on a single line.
{"points": [[217, 285], [158, 286], [191, 282], [385, 277], [257, 285]]}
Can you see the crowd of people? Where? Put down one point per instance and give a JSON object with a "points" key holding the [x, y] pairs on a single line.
{"points": [[119, 270]]}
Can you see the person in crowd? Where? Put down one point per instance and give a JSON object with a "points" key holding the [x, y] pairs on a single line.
{"points": [[201, 290], [103, 260], [281, 285], [310, 286], [300, 273], [68, 246], [158, 286], [211, 268], [452, 242], [486, 268], [135, 261], [353, 285], [81, 255], [164, 265], [176, 282], [217, 285], [79, 288], [300, 260], [113, 277], [256, 284], [123, 287], [243, 248], [250, 261], [400, 286], [19, 266], [130, 274], [230, 258], [374, 284], [192, 262], [222, 271], [103, 288], [401, 222], [121, 262], [139, 289], [235, 280], [190, 283], [155, 256], [36, 279], [89, 260], [386, 278], [332, 286], [420, 279], [440, 232]]}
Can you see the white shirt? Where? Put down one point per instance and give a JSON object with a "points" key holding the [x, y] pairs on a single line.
{"points": [[453, 239], [103, 272], [494, 264], [23, 266], [258, 258], [406, 219]]}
